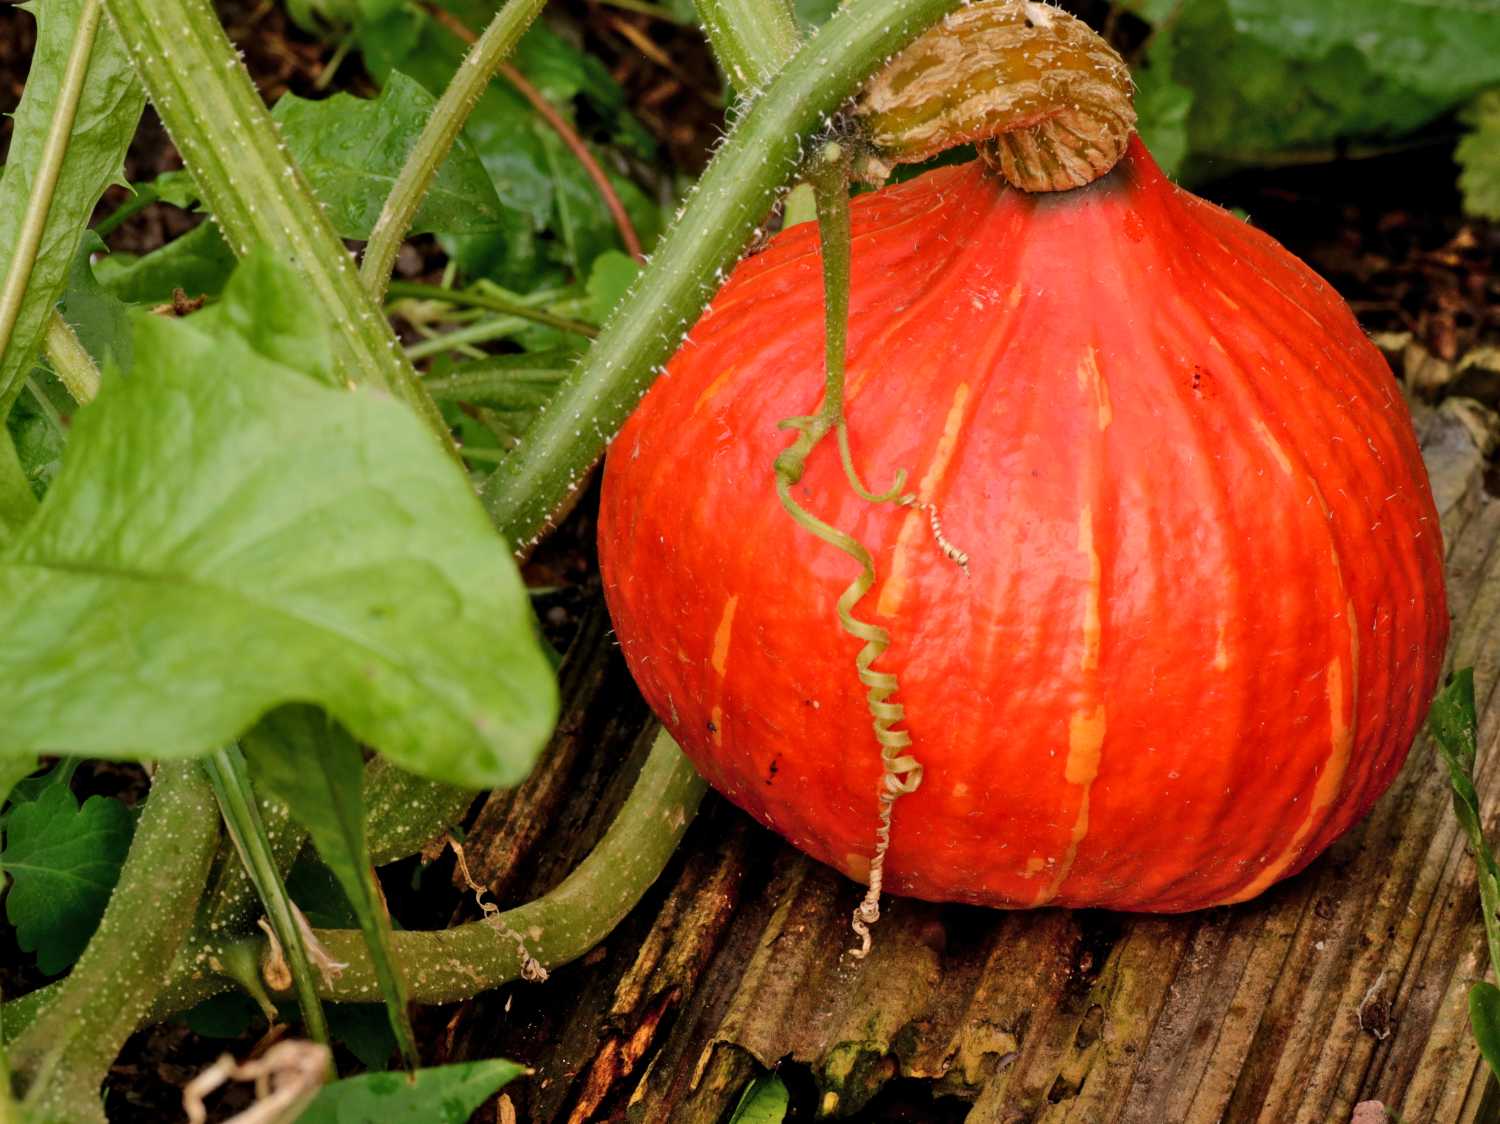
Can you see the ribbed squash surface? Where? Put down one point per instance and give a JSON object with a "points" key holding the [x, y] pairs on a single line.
{"points": [[1203, 613]]}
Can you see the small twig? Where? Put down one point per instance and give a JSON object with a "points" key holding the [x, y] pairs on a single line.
{"points": [[565, 131]]}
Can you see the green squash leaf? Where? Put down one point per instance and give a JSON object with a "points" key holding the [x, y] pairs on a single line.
{"points": [[30, 788], [541, 186], [365, 1031], [1484, 1018], [199, 263], [1153, 11], [317, 770], [101, 319], [1266, 76], [1163, 109], [1478, 154], [13, 771], [63, 860], [610, 277], [264, 307], [1444, 49], [227, 535], [177, 188], [447, 1094], [108, 113], [29, 452], [352, 149], [765, 1101]]}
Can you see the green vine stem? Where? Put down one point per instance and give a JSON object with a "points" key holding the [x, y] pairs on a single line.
{"points": [[416, 291], [65, 1053], [231, 784], [70, 360], [402, 811], [447, 965], [751, 39], [231, 146], [48, 171], [537, 480], [437, 138], [450, 964]]}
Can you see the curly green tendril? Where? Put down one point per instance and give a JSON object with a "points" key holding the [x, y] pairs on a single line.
{"points": [[901, 773]]}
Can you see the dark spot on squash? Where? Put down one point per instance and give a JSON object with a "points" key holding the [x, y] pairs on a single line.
{"points": [[773, 768], [712, 729]]}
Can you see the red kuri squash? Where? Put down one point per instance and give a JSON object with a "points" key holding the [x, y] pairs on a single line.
{"points": [[1202, 612]]}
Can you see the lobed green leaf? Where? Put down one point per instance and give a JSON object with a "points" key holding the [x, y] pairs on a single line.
{"points": [[64, 860], [199, 263], [352, 149]]}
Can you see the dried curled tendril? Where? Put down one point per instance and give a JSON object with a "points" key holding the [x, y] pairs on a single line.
{"points": [[901, 773], [532, 970]]}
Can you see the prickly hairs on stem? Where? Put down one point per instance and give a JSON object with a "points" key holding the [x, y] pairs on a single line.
{"points": [[1047, 103]]}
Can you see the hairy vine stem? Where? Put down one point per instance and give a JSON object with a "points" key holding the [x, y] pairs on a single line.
{"points": [[437, 138], [65, 1053], [451, 964], [231, 146], [444, 966], [751, 39], [536, 481], [413, 290], [70, 360]]}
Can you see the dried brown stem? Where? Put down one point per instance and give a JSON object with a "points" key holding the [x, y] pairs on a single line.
{"points": [[1044, 97]]}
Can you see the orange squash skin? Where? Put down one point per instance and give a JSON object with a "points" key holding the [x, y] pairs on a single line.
{"points": [[1203, 615]]}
